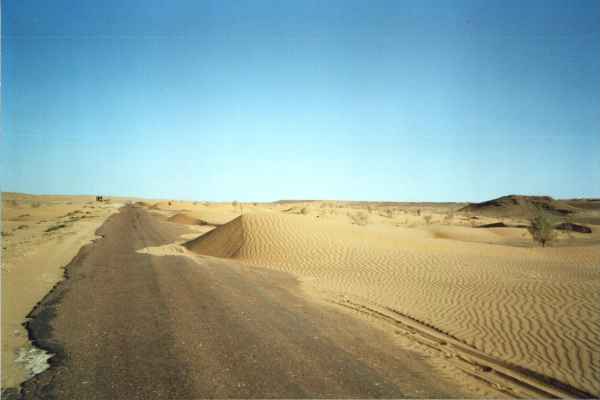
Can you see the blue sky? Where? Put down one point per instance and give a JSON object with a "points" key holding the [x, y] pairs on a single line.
{"points": [[261, 100]]}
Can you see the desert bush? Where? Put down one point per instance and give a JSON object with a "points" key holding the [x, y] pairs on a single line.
{"points": [[55, 227], [35, 204], [388, 212], [359, 218], [541, 227], [427, 219], [418, 212], [304, 211], [449, 217], [234, 203]]}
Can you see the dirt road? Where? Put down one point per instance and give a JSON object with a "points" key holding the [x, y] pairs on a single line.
{"points": [[126, 325]]}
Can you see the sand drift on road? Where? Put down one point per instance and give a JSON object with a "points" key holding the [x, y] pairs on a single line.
{"points": [[537, 308]]}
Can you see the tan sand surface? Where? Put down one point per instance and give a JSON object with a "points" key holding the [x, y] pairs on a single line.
{"points": [[531, 306], [40, 235], [185, 219], [185, 212]]}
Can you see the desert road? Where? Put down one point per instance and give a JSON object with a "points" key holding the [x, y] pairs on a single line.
{"points": [[126, 325]]}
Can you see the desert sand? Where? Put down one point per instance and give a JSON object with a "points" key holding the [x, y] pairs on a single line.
{"points": [[40, 235], [490, 288]]}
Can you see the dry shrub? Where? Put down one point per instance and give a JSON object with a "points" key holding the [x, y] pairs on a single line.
{"points": [[305, 211], [449, 217], [359, 218], [427, 219]]}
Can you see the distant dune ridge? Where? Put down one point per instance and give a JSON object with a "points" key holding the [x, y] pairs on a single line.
{"points": [[585, 211], [185, 219], [519, 206], [535, 307]]}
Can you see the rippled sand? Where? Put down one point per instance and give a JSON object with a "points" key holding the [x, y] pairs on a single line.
{"points": [[535, 307]]}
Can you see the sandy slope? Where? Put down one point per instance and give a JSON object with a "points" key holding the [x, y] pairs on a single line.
{"points": [[40, 235], [185, 219], [535, 307]]}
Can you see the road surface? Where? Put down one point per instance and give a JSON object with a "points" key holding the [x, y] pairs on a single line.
{"points": [[125, 325]]}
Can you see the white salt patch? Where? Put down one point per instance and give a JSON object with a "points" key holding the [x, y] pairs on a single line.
{"points": [[33, 360]]}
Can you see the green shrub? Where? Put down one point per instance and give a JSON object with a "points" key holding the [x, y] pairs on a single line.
{"points": [[542, 227]]}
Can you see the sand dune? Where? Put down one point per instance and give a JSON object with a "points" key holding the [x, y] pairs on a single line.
{"points": [[514, 205], [224, 241], [185, 219], [539, 308]]}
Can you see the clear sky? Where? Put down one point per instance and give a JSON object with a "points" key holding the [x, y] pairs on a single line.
{"points": [[262, 100]]}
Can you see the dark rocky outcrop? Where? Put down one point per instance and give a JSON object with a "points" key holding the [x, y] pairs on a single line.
{"points": [[568, 226]]}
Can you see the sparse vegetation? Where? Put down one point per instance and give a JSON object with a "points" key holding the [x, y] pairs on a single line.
{"points": [[359, 218], [388, 212], [305, 211], [56, 227], [542, 227], [449, 217], [35, 204], [427, 219]]}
